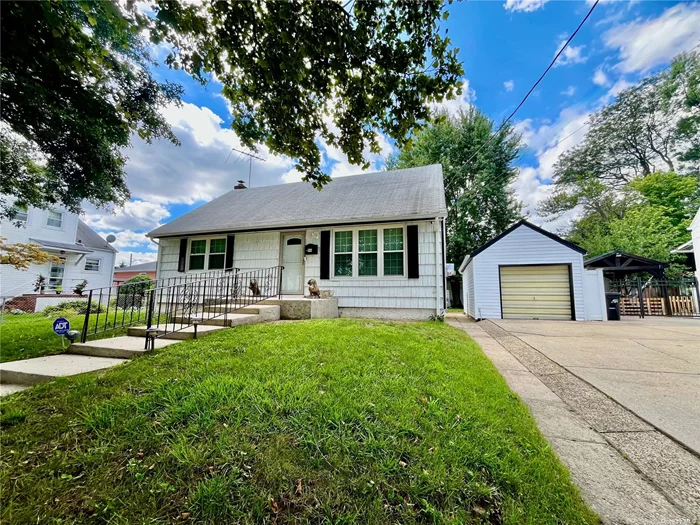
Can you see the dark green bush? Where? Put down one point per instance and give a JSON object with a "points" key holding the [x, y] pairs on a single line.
{"points": [[132, 294], [77, 307]]}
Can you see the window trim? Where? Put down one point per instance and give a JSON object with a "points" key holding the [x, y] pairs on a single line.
{"points": [[48, 218], [380, 253], [99, 264], [206, 253]]}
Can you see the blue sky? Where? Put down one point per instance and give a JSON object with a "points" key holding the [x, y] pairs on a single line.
{"points": [[504, 45]]}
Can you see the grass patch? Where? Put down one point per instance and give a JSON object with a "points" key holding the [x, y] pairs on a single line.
{"points": [[329, 421]]}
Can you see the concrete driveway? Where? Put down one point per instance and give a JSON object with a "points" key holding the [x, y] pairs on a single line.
{"points": [[650, 366]]}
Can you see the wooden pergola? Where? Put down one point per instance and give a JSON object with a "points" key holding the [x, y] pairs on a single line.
{"points": [[620, 265]]}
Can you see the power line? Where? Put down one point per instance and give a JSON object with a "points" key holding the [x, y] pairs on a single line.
{"points": [[550, 66]]}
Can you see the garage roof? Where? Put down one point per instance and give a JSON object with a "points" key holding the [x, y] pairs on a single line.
{"points": [[515, 226]]}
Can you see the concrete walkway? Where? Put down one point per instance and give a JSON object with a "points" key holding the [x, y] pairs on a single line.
{"points": [[627, 471], [101, 354]]}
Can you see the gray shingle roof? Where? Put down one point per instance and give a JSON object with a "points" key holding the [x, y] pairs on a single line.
{"points": [[398, 194], [91, 238]]}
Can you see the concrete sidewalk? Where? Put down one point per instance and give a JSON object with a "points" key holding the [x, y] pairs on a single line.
{"points": [[627, 471]]}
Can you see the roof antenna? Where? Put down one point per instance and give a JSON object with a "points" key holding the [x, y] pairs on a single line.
{"points": [[250, 163]]}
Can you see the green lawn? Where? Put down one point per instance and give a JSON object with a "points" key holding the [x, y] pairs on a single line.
{"points": [[329, 421], [31, 335]]}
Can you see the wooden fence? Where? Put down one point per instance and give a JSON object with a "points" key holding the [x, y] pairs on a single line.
{"points": [[680, 305]]}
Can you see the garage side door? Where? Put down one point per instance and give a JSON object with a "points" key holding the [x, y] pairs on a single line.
{"points": [[535, 292]]}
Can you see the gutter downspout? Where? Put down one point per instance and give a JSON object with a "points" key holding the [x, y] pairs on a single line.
{"points": [[437, 266]]}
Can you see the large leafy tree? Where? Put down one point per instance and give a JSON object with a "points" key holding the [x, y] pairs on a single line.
{"points": [[649, 127], [75, 85], [477, 175], [298, 70]]}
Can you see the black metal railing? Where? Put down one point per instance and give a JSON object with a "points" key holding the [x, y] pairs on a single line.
{"points": [[170, 305]]}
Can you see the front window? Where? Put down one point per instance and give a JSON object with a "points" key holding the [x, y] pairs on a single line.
{"points": [[393, 251], [92, 265], [55, 219], [217, 253], [343, 254], [207, 254], [56, 274], [369, 252]]}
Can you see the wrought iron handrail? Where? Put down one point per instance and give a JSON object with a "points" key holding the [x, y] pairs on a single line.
{"points": [[123, 305], [171, 305], [177, 307]]}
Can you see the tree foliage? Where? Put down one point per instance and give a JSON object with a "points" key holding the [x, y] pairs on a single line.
{"points": [[298, 70], [649, 127], [22, 255], [479, 200], [75, 84], [654, 214]]}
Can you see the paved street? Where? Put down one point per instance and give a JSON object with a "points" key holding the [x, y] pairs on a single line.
{"points": [[650, 366]]}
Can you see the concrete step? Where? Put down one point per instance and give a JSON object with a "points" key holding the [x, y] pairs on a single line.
{"points": [[185, 333], [10, 388], [40, 369], [267, 312], [123, 347]]}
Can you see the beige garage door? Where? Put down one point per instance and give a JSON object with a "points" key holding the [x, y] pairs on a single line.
{"points": [[536, 292]]}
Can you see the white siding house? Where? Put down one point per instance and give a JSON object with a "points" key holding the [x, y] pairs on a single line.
{"points": [[526, 272], [84, 254], [375, 241]]}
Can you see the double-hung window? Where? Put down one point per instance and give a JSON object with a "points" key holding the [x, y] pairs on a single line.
{"points": [[55, 219], [92, 265], [369, 252], [393, 251], [342, 266], [207, 254]]}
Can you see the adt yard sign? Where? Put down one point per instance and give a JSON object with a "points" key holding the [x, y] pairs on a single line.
{"points": [[61, 326]]}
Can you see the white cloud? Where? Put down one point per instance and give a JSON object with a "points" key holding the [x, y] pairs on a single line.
{"points": [[464, 99], [524, 5], [600, 78], [134, 215], [548, 140], [646, 43], [617, 88], [571, 55], [569, 92], [135, 257], [509, 85]]}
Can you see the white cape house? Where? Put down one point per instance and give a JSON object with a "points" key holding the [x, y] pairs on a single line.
{"points": [[375, 241]]}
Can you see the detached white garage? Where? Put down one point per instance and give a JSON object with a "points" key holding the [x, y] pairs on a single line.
{"points": [[530, 273]]}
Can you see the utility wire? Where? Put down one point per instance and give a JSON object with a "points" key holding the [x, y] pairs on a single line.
{"points": [[551, 65]]}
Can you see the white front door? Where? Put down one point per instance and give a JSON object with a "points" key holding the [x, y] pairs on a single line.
{"points": [[293, 262]]}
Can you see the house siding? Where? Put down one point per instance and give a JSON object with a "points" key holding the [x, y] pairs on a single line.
{"points": [[522, 246], [17, 282], [401, 298], [469, 287]]}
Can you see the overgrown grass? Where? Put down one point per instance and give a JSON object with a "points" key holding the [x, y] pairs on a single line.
{"points": [[333, 421]]}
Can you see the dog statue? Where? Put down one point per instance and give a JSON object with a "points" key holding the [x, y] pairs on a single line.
{"points": [[254, 287], [313, 289]]}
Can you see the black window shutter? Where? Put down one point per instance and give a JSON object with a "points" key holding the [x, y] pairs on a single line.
{"points": [[412, 247], [326, 254], [228, 260], [182, 259]]}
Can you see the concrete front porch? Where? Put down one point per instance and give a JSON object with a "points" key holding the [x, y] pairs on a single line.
{"points": [[297, 307]]}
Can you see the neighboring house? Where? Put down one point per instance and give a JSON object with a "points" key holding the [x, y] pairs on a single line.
{"points": [[376, 241], [530, 273], [84, 254], [127, 272], [692, 247]]}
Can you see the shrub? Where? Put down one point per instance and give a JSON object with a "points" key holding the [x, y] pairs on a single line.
{"points": [[132, 294], [72, 308]]}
